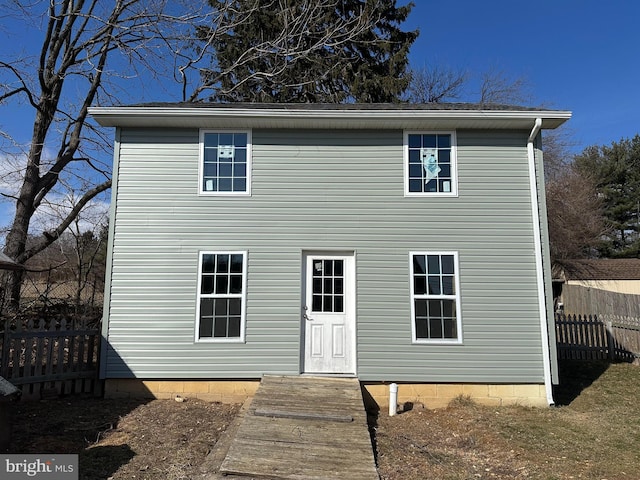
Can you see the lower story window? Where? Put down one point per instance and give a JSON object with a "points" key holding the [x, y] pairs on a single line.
{"points": [[435, 299], [221, 296]]}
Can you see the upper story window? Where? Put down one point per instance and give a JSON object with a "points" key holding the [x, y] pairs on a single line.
{"points": [[435, 297], [225, 162], [221, 296], [430, 164]]}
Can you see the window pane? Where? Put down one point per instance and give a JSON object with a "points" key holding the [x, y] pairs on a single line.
{"points": [[420, 285], [222, 284], [239, 185], [327, 303], [239, 169], [434, 285], [316, 303], [338, 286], [220, 327], [235, 306], [444, 141], [429, 141], [450, 328], [435, 308], [210, 169], [226, 170], [419, 264], [240, 156], [415, 170], [317, 285], [207, 284], [444, 157], [415, 141], [435, 328], [224, 185], [240, 139], [210, 185], [433, 264], [206, 328], [236, 284], [339, 304], [431, 186], [236, 263], [206, 307], [445, 170], [448, 264], [448, 308], [421, 328], [414, 158], [220, 308], [338, 268], [448, 286], [421, 308], [234, 327], [226, 139], [210, 139], [208, 263], [328, 268], [222, 263], [328, 285], [415, 185]]}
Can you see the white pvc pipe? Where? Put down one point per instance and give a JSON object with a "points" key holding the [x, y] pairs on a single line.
{"points": [[393, 399]]}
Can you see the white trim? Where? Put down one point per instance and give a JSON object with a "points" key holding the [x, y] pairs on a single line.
{"points": [[453, 161], [537, 238], [438, 341], [205, 193], [242, 296], [300, 117]]}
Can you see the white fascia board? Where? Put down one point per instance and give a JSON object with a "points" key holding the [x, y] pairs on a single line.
{"points": [[202, 117]]}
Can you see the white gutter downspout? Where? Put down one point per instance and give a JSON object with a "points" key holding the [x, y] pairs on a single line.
{"points": [[537, 238]]}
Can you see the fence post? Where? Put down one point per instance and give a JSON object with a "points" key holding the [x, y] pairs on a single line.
{"points": [[611, 342]]}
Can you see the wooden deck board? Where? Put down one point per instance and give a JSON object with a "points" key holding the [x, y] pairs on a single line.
{"points": [[308, 443]]}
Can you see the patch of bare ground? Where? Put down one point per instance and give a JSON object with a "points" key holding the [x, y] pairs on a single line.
{"points": [[124, 439]]}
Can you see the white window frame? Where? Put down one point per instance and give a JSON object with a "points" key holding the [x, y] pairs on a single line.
{"points": [[454, 163], [456, 297], [201, 190], [242, 296]]}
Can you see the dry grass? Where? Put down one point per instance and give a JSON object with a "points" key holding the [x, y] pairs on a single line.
{"points": [[596, 436]]}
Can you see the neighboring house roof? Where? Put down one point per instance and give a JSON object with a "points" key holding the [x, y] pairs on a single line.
{"points": [[7, 263], [603, 269], [313, 115]]}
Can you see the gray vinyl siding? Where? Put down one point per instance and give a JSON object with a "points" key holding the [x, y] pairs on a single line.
{"points": [[322, 190]]}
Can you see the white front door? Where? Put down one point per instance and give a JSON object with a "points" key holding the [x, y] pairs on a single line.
{"points": [[328, 320]]}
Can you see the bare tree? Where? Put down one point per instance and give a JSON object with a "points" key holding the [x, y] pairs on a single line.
{"points": [[574, 210], [497, 87], [90, 53], [433, 84]]}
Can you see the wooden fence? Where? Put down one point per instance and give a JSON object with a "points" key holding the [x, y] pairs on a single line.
{"points": [[578, 299], [50, 358], [598, 337]]}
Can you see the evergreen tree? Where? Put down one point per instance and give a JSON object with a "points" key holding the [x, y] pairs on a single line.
{"points": [[310, 51], [616, 171]]}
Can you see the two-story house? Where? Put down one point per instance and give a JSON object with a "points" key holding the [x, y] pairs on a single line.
{"points": [[395, 243]]}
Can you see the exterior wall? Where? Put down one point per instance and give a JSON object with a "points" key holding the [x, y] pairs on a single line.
{"points": [[322, 190], [618, 286]]}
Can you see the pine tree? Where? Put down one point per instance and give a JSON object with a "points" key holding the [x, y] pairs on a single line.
{"points": [[310, 51], [616, 171]]}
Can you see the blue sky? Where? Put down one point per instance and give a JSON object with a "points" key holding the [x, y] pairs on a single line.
{"points": [[576, 55]]}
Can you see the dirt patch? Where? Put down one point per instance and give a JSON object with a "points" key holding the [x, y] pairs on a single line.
{"points": [[123, 439]]}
